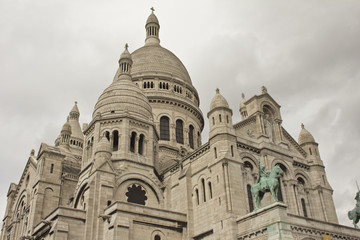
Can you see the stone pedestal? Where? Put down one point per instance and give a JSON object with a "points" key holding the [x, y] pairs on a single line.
{"points": [[269, 222]]}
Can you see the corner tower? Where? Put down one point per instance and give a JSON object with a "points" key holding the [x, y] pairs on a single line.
{"points": [[175, 102]]}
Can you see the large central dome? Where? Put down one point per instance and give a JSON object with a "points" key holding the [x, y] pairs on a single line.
{"points": [[155, 60]]}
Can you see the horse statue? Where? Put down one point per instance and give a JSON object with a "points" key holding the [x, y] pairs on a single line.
{"points": [[354, 214], [265, 184]]}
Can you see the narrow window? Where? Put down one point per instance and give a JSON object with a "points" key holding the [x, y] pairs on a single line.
{"points": [[108, 203], [215, 152], [210, 190], [219, 117], [107, 135], [152, 85], [179, 131], [232, 150], [197, 197], [141, 143], [164, 128], [167, 86], [174, 88], [144, 84], [132, 142], [115, 140], [213, 120], [191, 136], [52, 168], [310, 151], [304, 207], [227, 119], [251, 203], [160, 85], [148, 85], [203, 189]]}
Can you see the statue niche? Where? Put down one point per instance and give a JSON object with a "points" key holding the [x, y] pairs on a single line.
{"points": [[268, 123]]}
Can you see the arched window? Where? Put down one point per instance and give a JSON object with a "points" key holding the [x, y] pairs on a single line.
{"points": [[160, 85], [232, 150], [203, 189], [227, 118], [191, 136], [215, 152], [210, 190], [52, 168], [107, 135], [179, 131], [304, 207], [164, 128], [167, 86], [251, 202], [197, 196], [141, 144], [219, 117], [280, 196], [213, 120], [115, 140], [152, 85], [157, 237], [132, 142], [144, 84]]}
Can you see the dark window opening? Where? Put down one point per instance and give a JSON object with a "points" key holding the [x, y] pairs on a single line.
{"points": [[280, 196], [219, 117], [232, 150], [115, 140], [164, 128], [215, 152], [179, 131], [191, 136], [52, 168], [210, 190], [132, 142], [136, 194], [213, 120], [197, 197], [157, 237], [250, 198], [108, 203], [107, 135], [141, 143], [227, 119], [310, 151], [203, 189], [304, 207]]}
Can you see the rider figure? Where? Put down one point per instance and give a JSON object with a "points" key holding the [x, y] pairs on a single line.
{"points": [[262, 173], [357, 198]]}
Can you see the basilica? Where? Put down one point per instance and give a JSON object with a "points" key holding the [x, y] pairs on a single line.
{"points": [[139, 170]]}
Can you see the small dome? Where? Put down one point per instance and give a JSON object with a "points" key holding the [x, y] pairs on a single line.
{"points": [[305, 136], [66, 127], [126, 54], [123, 97], [103, 145], [218, 101], [152, 19]]}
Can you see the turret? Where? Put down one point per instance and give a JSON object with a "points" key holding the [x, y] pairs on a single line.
{"points": [[220, 116], [307, 142], [152, 29], [242, 109], [125, 63], [65, 134]]}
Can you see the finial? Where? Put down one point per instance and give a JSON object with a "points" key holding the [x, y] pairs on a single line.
{"points": [[126, 46], [32, 153], [217, 90], [152, 9], [75, 102], [302, 126], [263, 89], [243, 95]]}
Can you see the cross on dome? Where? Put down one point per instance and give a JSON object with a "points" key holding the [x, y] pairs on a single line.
{"points": [[126, 46], [152, 9]]}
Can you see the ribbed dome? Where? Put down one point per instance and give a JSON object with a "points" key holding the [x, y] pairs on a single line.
{"points": [[305, 136], [218, 101], [123, 96], [66, 127], [152, 19], [156, 60], [126, 54]]}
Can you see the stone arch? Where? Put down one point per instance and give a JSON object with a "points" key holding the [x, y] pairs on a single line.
{"points": [[159, 234], [80, 191], [300, 173], [148, 183], [268, 105], [289, 174], [244, 155]]}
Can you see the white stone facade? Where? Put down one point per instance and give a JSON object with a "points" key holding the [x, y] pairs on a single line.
{"points": [[139, 169]]}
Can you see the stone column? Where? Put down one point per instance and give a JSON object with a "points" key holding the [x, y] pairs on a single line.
{"points": [[227, 186]]}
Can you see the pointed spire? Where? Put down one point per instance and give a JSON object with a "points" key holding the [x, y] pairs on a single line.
{"points": [[217, 91], [152, 29], [74, 113]]}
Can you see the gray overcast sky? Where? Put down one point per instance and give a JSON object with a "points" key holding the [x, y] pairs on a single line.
{"points": [[307, 54]]}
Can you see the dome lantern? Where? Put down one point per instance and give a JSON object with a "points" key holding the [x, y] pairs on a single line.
{"points": [[125, 64], [152, 29]]}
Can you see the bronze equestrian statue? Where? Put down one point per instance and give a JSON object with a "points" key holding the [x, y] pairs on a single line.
{"points": [[354, 214], [266, 183]]}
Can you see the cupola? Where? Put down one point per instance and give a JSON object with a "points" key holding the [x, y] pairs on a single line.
{"points": [[242, 108], [152, 29], [305, 136], [125, 64]]}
